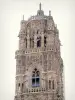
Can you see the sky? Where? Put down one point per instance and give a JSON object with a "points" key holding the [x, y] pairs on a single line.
{"points": [[11, 14]]}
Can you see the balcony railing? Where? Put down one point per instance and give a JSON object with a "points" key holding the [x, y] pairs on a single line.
{"points": [[34, 50], [35, 90], [30, 90]]}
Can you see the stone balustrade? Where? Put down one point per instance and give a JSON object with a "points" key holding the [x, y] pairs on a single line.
{"points": [[35, 90], [34, 50]]}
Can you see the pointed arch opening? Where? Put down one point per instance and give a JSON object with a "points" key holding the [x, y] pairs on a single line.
{"points": [[22, 87], [45, 41], [35, 78], [25, 41], [49, 84], [19, 87], [31, 42], [53, 84], [39, 41]]}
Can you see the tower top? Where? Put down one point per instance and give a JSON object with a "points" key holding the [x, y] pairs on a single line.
{"points": [[40, 6], [40, 12]]}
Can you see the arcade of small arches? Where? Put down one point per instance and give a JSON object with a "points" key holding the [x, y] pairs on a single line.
{"points": [[38, 42]]}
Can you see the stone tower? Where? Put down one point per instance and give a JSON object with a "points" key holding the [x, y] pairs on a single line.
{"points": [[39, 66]]}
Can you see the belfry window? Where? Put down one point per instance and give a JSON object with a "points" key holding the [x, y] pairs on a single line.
{"points": [[19, 86], [45, 41], [26, 43], [31, 42], [25, 40], [53, 84], [49, 84], [38, 41], [22, 87], [35, 78]]}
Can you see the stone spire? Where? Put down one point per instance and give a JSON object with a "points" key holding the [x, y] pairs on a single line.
{"points": [[40, 12], [40, 6]]}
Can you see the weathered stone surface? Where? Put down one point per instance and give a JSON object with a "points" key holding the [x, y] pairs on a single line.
{"points": [[39, 52]]}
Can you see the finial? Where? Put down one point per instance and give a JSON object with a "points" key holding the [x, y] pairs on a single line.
{"points": [[23, 17], [40, 6], [49, 13]]}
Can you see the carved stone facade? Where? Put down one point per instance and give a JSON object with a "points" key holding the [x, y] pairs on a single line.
{"points": [[39, 66]]}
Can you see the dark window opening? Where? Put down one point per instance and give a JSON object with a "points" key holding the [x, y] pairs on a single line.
{"points": [[37, 81], [22, 87], [35, 78], [45, 41], [31, 42], [38, 41], [19, 85], [53, 84], [49, 84], [25, 40], [33, 81]]}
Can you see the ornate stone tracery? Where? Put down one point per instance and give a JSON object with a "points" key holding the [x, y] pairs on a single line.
{"points": [[39, 48]]}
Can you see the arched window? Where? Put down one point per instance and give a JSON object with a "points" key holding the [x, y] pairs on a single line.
{"points": [[45, 41], [53, 84], [35, 78], [22, 87], [37, 31], [38, 41], [25, 40], [31, 42], [49, 84], [19, 87]]}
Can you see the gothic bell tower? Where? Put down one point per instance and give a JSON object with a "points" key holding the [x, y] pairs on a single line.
{"points": [[39, 66]]}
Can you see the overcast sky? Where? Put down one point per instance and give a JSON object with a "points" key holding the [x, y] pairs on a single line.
{"points": [[11, 11]]}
